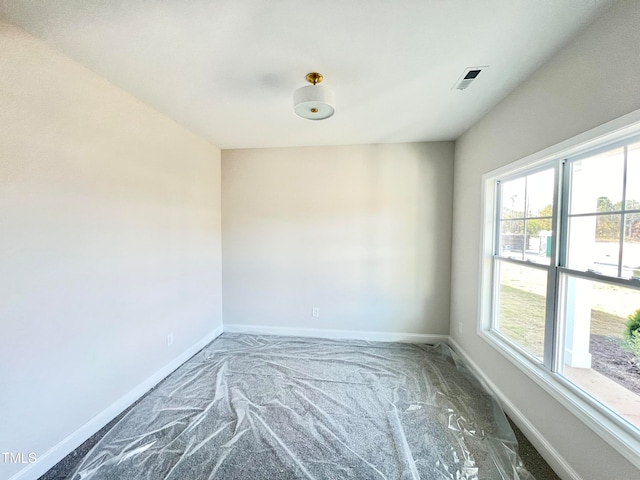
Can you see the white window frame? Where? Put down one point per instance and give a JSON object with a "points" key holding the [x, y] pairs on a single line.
{"points": [[606, 424]]}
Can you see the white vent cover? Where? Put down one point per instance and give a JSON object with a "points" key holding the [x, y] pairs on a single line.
{"points": [[468, 76]]}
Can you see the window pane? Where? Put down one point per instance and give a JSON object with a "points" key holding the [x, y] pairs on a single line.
{"points": [[538, 241], [513, 198], [522, 305], [631, 252], [594, 244], [596, 183], [633, 177], [512, 239], [540, 188], [594, 354]]}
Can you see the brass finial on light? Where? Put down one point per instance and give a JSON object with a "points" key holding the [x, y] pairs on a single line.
{"points": [[314, 77]]}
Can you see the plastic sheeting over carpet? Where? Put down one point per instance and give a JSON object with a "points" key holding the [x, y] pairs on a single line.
{"points": [[267, 407]]}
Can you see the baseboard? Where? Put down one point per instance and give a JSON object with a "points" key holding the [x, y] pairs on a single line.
{"points": [[58, 452], [550, 454], [337, 334]]}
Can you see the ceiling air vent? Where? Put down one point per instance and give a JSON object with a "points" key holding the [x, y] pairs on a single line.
{"points": [[468, 76]]}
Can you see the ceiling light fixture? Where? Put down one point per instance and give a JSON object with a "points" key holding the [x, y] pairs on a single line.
{"points": [[314, 102]]}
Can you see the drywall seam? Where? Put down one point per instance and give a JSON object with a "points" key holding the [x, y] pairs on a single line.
{"points": [[548, 452], [337, 334], [73, 441]]}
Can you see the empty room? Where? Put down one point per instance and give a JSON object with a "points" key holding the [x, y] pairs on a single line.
{"points": [[320, 240]]}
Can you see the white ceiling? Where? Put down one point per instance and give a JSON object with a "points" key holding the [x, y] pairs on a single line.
{"points": [[227, 69]]}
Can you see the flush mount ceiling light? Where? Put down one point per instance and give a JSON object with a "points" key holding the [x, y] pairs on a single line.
{"points": [[314, 102]]}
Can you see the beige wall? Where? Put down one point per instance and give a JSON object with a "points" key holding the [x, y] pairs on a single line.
{"points": [[362, 232], [591, 81], [109, 240]]}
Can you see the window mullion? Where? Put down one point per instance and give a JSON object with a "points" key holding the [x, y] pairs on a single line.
{"points": [[562, 224], [525, 215], [498, 216], [623, 207], [562, 210], [551, 324]]}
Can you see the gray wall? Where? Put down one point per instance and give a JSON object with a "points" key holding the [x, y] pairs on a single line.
{"points": [[591, 81], [109, 240], [362, 232]]}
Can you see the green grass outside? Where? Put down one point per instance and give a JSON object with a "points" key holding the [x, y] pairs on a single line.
{"points": [[522, 319]]}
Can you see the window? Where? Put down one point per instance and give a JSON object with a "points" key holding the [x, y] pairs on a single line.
{"points": [[523, 258], [561, 275]]}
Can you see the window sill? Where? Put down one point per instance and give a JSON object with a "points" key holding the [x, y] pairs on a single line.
{"points": [[621, 436]]}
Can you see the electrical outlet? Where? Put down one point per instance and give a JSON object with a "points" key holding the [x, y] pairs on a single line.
{"points": [[460, 328], [315, 312], [169, 339]]}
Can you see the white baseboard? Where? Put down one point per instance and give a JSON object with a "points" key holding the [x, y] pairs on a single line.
{"points": [[550, 454], [337, 334], [73, 441]]}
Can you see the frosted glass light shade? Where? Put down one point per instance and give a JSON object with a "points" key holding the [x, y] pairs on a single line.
{"points": [[314, 102]]}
